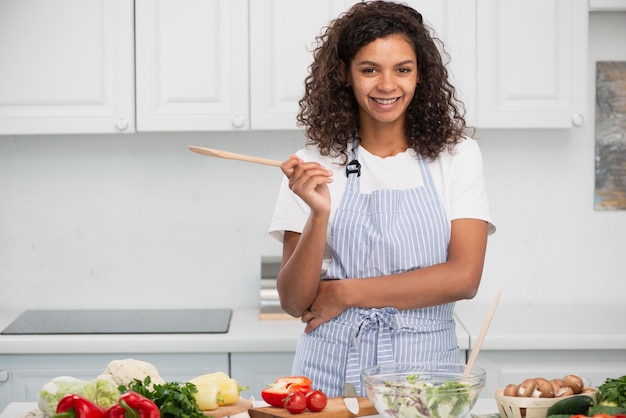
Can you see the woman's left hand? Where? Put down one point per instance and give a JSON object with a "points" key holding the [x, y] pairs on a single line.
{"points": [[326, 306]]}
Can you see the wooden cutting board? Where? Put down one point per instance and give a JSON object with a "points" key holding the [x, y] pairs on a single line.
{"points": [[335, 409], [242, 405]]}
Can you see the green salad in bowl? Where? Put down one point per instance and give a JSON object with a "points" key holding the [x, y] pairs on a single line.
{"points": [[410, 390]]}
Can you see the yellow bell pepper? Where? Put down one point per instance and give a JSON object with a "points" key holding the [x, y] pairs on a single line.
{"points": [[215, 389]]}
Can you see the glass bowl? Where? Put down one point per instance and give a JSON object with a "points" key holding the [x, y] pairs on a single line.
{"points": [[408, 390]]}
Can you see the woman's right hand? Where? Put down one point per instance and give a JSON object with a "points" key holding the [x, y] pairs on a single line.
{"points": [[309, 180]]}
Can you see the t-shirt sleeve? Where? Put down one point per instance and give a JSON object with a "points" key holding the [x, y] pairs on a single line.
{"points": [[290, 212], [468, 191]]}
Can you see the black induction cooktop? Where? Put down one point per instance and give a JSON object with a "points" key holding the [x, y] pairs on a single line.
{"points": [[122, 321]]}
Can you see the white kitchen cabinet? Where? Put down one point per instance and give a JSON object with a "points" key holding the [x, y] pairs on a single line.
{"points": [[192, 65], [257, 370], [22, 375], [194, 76], [531, 63], [67, 66], [513, 366], [203, 66], [281, 49]]}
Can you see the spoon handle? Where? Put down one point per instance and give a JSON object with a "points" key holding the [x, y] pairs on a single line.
{"points": [[481, 336], [232, 156]]}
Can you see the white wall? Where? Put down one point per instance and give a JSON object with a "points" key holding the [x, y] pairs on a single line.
{"points": [[119, 221]]}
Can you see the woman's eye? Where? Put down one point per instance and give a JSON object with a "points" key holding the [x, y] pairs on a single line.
{"points": [[404, 70], [369, 71]]}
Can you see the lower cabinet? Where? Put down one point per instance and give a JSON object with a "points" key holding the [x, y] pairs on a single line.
{"points": [[510, 366], [21, 376], [256, 370]]}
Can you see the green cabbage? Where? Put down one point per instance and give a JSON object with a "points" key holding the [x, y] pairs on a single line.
{"points": [[104, 392]]}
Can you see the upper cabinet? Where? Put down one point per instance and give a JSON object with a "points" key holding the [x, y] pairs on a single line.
{"points": [[240, 64], [67, 66], [282, 38], [531, 63], [192, 65]]}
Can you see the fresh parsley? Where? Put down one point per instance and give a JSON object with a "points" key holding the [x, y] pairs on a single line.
{"points": [[174, 399], [613, 392]]}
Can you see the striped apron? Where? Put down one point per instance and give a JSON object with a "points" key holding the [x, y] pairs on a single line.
{"points": [[378, 234]]}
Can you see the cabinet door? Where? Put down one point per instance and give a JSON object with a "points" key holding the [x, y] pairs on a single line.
{"points": [[531, 63], [22, 376], [192, 65], [454, 23], [281, 50], [256, 370], [67, 66]]}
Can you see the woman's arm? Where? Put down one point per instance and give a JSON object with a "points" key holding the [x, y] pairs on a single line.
{"points": [[299, 276], [457, 278]]}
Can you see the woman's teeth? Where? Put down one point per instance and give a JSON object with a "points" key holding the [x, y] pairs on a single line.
{"points": [[386, 101]]}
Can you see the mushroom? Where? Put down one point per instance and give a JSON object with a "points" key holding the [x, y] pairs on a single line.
{"points": [[527, 388], [560, 389], [574, 382], [510, 390], [589, 389], [544, 389]]}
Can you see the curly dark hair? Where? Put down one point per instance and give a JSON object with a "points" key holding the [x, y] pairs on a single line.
{"points": [[329, 111]]}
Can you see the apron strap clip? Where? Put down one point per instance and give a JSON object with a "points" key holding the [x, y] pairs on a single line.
{"points": [[353, 167]]}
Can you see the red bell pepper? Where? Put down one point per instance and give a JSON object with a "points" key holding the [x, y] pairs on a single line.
{"points": [[76, 406], [132, 404], [276, 393]]}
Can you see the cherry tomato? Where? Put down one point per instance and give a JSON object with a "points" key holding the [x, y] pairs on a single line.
{"points": [[295, 402], [316, 400]]}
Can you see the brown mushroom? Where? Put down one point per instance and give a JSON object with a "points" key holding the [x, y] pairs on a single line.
{"points": [[560, 389], [589, 389], [527, 388], [574, 382], [544, 389], [510, 390]]}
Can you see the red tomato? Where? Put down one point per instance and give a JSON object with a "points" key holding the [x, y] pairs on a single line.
{"points": [[316, 400], [295, 402]]}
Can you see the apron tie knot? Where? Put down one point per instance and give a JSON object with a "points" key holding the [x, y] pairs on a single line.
{"points": [[384, 320]]}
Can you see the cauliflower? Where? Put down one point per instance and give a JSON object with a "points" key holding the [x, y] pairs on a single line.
{"points": [[122, 372]]}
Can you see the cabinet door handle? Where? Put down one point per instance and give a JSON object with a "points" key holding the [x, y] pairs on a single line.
{"points": [[4, 375], [121, 124], [578, 119], [239, 121]]}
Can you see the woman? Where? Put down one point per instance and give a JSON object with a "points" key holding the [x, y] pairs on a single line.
{"points": [[383, 216]]}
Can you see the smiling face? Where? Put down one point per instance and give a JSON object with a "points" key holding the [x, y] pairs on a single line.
{"points": [[383, 76]]}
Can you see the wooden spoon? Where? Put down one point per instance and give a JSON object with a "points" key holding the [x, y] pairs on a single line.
{"points": [[232, 156], [481, 337]]}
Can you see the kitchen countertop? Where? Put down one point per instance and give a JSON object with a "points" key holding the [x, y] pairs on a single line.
{"points": [[512, 328], [247, 333]]}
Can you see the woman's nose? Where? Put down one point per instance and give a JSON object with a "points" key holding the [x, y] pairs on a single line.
{"points": [[387, 82]]}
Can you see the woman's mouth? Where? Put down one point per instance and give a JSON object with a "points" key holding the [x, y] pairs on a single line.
{"points": [[386, 101]]}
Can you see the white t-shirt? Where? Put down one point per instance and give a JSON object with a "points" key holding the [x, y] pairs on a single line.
{"points": [[457, 174]]}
